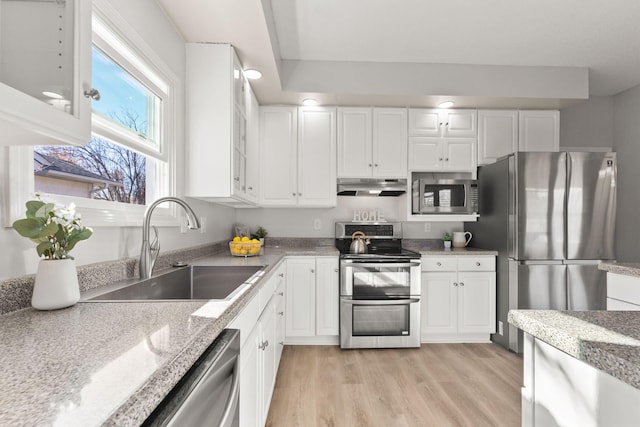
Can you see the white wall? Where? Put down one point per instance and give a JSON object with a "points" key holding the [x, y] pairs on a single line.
{"points": [[588, 124], [626, 108], [18, 256]]}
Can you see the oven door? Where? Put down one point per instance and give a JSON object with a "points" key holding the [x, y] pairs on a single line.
{"points": [[387, 323], [379, 279]]}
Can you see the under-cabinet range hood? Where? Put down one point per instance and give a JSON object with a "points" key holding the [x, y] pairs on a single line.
{"points": [[371, 187]]}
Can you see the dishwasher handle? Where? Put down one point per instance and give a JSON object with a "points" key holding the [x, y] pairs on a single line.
{"points": [[234, 395]]}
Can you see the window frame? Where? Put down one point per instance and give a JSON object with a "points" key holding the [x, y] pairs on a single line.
{"points": [[20, 183]]}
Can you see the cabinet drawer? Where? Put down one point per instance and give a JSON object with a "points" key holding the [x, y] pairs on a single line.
{"points": [[266, 292], [445, 263], [246, 320], [474, 263], [623, 288], [615, 305]]}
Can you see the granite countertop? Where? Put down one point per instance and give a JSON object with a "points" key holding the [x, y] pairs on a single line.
{"points": [[606, 340], [626, 268], [457, 251], [112, 363]]}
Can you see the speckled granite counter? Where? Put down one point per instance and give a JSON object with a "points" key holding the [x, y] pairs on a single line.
{"points": [[625, 268], [112, 363], [606, 340]]}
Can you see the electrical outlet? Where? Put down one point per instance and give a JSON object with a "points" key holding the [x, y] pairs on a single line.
{"points": [[427, 227], [500, 328], [203, 224], [317, 225]]}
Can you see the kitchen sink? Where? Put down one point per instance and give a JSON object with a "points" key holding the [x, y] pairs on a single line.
{"points": [[185, 283]]}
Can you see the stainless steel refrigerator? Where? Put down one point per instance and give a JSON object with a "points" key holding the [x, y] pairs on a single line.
{"points": [[551, 217]]}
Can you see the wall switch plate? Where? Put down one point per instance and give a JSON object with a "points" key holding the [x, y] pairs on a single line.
{"points": [[500, 328], [317, 225], [427, 227], [203, 224], [183, 225]]}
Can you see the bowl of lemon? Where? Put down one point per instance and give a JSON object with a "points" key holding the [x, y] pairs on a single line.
{"points": [[244, 246]]}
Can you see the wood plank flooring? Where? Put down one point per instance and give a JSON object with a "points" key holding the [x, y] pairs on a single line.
{"points": [[436, 385]]}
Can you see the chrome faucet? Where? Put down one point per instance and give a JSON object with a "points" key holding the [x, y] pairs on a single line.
{"points": [[150, 250]]}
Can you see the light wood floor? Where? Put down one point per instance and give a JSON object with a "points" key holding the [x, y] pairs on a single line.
{"points": [[436, 385]]}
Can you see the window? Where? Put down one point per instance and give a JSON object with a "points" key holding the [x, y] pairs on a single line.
{"points": [[130, 159]]}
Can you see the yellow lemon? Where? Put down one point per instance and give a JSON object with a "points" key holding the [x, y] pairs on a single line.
{"points": [[244, 239], [255, 240], [236, 239]]}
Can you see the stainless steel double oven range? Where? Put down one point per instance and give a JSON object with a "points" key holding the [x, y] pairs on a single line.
{"points": [[379, 290]]}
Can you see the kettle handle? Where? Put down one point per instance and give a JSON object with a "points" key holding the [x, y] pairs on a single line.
{"points": [[358, 234], [468, 238]]}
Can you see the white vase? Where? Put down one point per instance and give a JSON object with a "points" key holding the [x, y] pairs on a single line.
{"points": [[56, 285], [447, 244]]}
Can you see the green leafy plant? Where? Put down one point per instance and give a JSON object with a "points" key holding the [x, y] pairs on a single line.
{"points": [[447, 237], [55, 228], [260, 233]]}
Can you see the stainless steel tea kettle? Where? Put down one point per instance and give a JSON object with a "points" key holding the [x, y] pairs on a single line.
{"points": [[359, 242]]}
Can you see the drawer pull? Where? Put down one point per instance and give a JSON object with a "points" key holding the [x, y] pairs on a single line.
{"points": [[461, 283], [439, 264], [455, 284], [477, 264], [281, 313], [281, 293]]}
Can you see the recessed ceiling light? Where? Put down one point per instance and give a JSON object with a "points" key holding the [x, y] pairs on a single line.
{"points": [[252, 74], [446, 104], [310, 102]]}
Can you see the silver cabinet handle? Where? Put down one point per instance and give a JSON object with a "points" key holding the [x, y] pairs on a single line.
{"points": [[440, 159], [266, 344], [455, 284], [478, 264], [281, 275], [376, 165], [281, 313], [439, 264], [93, 94], [293, 194], [446, 159], [461, 283], [312, 270], [281, 343], [370, 165], [281, 294], [237, 179], [336, 270], [250, 188], [299, 194]]}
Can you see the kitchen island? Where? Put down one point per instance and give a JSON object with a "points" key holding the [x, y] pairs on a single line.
{"points": [[580, 367], [112, 363]]}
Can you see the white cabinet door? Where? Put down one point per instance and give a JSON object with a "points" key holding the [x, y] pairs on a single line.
{"points": [[301, 297], [425, 153], [355, 136], [27, 115], [459, 154], [497, 134], [439, 303], [476, 302], [268, 355], [317, 157], [250, 380], [327, 296], [539, 130], [252, 147], [278, 155], [442, 122], [390, 142]]}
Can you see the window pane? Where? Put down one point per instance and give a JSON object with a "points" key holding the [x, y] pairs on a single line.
{"points": [[123, 99], [100, 170]]}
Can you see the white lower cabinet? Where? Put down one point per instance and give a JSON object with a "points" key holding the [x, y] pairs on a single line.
{"points": [[262, 335], [623, 292], [458, 298], [312, 300]]}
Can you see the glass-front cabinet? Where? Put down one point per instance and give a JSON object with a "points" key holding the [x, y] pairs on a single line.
{"points": [[45, 72]]}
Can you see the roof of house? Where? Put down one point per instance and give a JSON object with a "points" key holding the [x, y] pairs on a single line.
{"points": [[46, 165]]}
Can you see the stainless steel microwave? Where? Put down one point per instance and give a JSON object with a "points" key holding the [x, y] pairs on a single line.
{"points": [[445, 196]]}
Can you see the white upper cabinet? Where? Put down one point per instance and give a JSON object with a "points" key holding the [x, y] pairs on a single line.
{"points": [[217, 124], [252, 149], [442, 122], [430, 154], [45, 71], [539, 130], [298, 156], [497, 134], [372, 142]]}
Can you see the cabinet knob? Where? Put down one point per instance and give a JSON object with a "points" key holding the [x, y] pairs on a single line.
{"points": [[446, 160], [439, 264], [439, 124], [376, 165], [300, 194], [293, 194], [455, 283], [250, 188], [281, 313], [440, 159], [312, 270], [446, 124], [370, 165], [281, 294], [336, 270], [477, 264], [281, 343], [281, 275], [461, 283], [93, 94]]}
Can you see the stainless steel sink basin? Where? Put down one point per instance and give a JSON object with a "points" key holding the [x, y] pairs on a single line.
{"points": [[186, 283]]}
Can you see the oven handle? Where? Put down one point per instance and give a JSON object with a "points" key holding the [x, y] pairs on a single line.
{"points": [[382, 263], [381, 302]]}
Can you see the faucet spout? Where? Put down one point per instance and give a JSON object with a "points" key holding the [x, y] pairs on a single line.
{"points": [[149, 251]]}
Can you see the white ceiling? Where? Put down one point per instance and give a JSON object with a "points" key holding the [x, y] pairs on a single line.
{"points": [[550, 43]]}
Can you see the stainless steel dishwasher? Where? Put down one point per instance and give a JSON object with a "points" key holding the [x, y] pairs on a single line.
{"points": [[208, 394]]}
